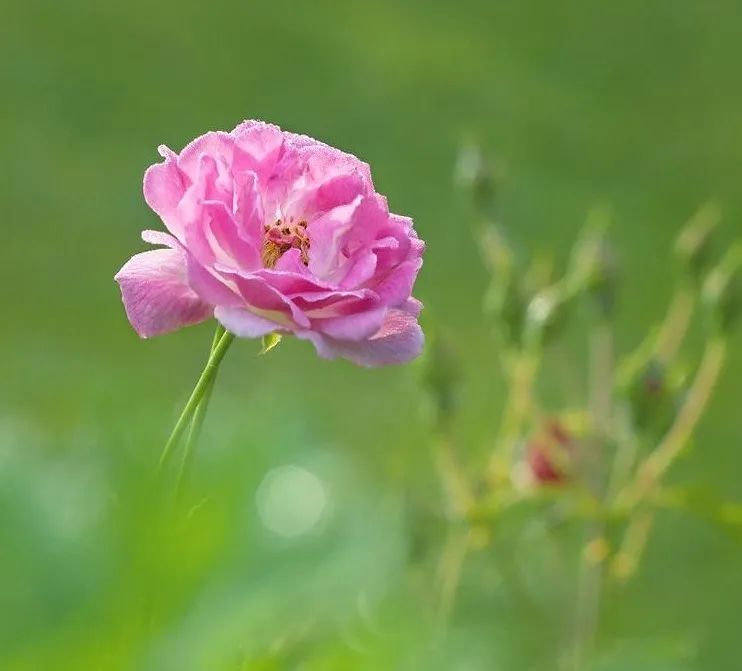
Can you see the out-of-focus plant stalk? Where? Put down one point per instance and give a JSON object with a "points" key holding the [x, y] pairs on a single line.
{"points": [[450, 566], [519, 401], [635, 539], [660, 460], [455, 484], [662, 347], [676, 323], [589, 587]]}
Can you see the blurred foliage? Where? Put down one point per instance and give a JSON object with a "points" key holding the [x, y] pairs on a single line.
{"points": [[632, 104]]}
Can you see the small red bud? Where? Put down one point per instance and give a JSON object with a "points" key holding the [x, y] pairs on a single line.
{"points": [[548, 453]]}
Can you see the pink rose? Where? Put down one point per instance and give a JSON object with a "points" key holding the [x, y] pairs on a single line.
{"points": [[276, 232]]}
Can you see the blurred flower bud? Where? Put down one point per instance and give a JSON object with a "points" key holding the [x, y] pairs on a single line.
{"points": [[693, 246], [722, 290], [479, 177], [497, 255], [441, 377], [594, 266], [653, 397], [547, 313], [549, 453]]}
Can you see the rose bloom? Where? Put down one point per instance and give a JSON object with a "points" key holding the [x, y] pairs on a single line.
{"points": [[275, 232]]}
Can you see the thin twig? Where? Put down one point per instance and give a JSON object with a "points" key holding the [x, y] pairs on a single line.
{"points": [[632, 548], [675, 325], [659, 461], [457, 490], [591, 567], [449, 573], [519, 401]]}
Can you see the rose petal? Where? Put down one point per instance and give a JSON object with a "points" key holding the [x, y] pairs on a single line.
{"points": [[326, 236], [360, 325], [397, 285], [263, 299], [156, 295], [399, 340], [248, 207], [244, 323], [164, 186], [211, 286], [226, 242], [160, 238], [217, 145]]}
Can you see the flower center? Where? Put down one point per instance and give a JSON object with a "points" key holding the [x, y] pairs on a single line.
{"points": [[280, 236]]}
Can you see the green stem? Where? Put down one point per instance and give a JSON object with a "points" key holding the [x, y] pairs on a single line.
{"points": [[519, 402], [591, 570], [658, 462], [207, 375], [675, 325], [198, 420]]}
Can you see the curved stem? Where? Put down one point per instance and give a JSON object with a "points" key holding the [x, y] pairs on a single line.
{"points": [[207, 375], [652, 470], [675, 325], [519, 401]]}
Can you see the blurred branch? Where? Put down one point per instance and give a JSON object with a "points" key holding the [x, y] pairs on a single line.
{"points": [[519, 401], [601, 411], [675, 325], [634, 543], [449, 572], [455, 484], [654, 467]]}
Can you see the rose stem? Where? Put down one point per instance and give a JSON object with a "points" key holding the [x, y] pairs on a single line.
{"points": [[198, 420], [204, 381]]}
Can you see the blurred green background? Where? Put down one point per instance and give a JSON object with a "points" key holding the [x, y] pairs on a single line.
{"points": [[634, 104]]}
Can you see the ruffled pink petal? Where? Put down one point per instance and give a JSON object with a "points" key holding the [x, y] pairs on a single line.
{"points": [[217, 145], [360, 325], [399, 340], [228, 245], [412, 306], [244, 323], [156, 295], [323, 160], [332, 302], [248, 206], [164, 186], [326, 235], [259, 145], [211, 286], [397, 285], [290, 282], [326, 195], [263, 299], [291, 262], [262, 148], [360, 270], [160, 238]]}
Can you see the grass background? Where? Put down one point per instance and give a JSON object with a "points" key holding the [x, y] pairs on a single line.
{"points": [[634, 104]]}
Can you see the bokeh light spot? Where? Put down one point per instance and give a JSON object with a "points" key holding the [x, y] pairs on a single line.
{"points": [[291, 501]]}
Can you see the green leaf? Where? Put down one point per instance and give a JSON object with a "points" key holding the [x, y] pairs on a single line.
{"points": [[269, 342]]}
